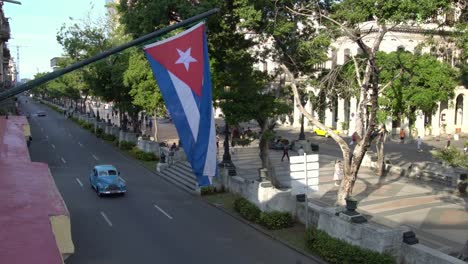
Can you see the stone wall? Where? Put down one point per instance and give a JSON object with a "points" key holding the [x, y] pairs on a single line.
{"points": [[368, 235]]}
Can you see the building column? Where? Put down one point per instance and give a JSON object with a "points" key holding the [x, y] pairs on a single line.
{"points": [[450, 129], [352, 115], [436, 121], [465, 113], [419, 124], [308, 108], [296, 115], [328, 115], [341, 114]]}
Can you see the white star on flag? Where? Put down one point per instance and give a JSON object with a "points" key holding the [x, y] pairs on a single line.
{"points": [[185, 58]]}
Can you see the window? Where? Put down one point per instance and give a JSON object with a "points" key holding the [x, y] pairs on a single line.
{"points": [[112, 172]]}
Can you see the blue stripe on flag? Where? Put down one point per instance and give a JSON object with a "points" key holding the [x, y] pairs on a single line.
{"points": [[174, 106]]}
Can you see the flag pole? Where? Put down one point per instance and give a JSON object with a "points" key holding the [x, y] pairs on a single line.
{"points": [[50, 76]]}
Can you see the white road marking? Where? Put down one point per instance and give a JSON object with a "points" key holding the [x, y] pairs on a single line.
{"points": [[69, 134], [81, 145], [47, 137], [162, 211], [79, 182], [94, 156], [63, 160], [53, 146], [105, 218]]}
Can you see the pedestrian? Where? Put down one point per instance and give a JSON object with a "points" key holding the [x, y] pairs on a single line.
{"points": [[402, 136], [353, 139], [285, 151], [448, 141], [338, 174], [300, 151], [174, 147], [419, 143]]}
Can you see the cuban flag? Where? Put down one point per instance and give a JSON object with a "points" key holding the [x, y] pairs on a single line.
{"points": [[181, 67]]}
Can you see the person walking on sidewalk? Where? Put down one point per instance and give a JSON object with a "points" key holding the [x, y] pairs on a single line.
{"points": [[402, 136], [419, 143], [285, 151], [338, 174], [448, 141]]}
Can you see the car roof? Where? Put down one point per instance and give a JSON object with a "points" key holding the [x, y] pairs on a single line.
{"points": [[104, 167]]}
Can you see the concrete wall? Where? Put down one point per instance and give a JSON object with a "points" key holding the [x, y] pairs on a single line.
{"points": [[415, 254], [369, 235]]}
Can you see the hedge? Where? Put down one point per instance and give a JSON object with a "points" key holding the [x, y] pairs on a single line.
{"points": [[126, 145], [271, 220], [209, 190], [337, 251], [141, 155], [276, 220]]}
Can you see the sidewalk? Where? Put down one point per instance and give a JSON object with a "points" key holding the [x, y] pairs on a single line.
{"points": [[439, 219]]}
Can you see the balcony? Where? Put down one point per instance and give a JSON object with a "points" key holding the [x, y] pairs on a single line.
{"points": [[5, 31]]}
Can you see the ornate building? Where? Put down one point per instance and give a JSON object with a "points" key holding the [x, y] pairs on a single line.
{"points": [[450, 116]]}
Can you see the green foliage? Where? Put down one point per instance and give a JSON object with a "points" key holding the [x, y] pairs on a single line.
{"points": [[422, 81], [144, 89], [210, 190], [141, 155], [126, 145], [247, 210], [353, 12], [99, 132], [276, 220], [452, 156], [337, 251], [466, 143], [108, 137]]}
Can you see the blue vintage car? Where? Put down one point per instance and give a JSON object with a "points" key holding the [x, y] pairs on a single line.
{"points": [[105, 179]]}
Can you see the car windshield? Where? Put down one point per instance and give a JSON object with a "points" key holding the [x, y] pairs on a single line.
{"points": [[108, 173]]}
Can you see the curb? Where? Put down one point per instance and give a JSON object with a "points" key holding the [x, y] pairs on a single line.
{"points": [[261, 230]]}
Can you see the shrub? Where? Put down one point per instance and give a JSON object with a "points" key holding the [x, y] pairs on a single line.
{"points": [[452, 156], [99, 132], [126, 145], [208, 190], [239, 203], [87, 126], [276, 220], [108, 137], [248, 210], [334, 250], [141, 155]]}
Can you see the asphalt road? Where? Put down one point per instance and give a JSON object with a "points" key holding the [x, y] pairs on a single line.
{"points": [[155, 222]]}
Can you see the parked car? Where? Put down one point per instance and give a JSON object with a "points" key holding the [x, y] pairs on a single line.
{"points": [[323, 133], [105, 179], [41, 113]]}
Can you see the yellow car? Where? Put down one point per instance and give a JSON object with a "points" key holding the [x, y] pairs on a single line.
{"points": [[323, 133]]}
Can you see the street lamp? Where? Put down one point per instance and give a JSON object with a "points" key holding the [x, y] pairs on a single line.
{"points": [[227, 162], [302, 135]]}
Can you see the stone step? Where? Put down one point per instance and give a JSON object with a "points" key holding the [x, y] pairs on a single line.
{"points": [[179, 176]]}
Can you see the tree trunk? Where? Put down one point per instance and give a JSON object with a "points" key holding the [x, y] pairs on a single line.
{"points": [[155, 124]]}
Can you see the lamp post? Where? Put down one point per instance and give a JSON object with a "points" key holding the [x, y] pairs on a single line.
{"points": [[302, 135], [227, 162]]}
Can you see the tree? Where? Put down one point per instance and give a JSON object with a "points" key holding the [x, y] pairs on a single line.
{"points": [[423, 82], [348, 16], [240, 90], [143, 87]]}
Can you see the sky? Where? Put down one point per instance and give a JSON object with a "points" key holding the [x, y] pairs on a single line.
{"points": [[34, 25]]}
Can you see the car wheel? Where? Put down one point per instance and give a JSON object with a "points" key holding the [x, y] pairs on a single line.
{"points": [[98, 192]]}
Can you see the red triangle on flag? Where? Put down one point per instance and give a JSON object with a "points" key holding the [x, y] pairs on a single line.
{"points": [[182, 55]]}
